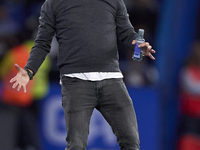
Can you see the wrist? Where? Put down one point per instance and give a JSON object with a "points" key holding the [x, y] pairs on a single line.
{"points": [[30, 74]]}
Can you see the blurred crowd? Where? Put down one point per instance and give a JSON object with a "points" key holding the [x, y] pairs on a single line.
{"points": [[189, 102]]}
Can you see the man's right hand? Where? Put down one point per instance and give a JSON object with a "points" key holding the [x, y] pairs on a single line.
{"points": [[21, 79]]}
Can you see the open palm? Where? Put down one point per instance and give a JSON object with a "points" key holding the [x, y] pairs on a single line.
{"points": [[21, 79]]}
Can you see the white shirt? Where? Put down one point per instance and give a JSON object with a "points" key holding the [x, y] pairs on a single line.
{"points": [[95, 76]]}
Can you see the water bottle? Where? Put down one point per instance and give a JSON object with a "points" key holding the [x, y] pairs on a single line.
{"points": [[138, 54]]}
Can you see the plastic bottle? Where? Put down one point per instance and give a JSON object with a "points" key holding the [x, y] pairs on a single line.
{"points": [[138, 54]]}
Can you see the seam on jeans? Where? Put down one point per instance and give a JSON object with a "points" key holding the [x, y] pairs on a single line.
{"points": [[113, 120], [115, 123]]}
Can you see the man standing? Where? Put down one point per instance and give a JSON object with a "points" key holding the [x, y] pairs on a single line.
{"points": [[87, 33]]}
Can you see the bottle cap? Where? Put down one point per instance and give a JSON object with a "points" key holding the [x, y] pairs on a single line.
{"points": [[141, 33]]}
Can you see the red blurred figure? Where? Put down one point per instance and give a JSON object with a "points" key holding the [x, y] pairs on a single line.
{"points": [[189, 138]]}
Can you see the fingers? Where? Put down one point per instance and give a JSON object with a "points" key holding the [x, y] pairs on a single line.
{"points": [[148, 49], [145, 44], [151, 56], [13, 80], [133, 42], [153, 51], [18, 67], [24, 88], [19, 87], [19, 80], [15, 85]]}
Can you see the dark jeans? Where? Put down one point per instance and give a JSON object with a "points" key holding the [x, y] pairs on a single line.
{"points": [[110, 97]]}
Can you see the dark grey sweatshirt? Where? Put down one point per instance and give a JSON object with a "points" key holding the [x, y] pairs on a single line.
{"points": [[87, 32]]}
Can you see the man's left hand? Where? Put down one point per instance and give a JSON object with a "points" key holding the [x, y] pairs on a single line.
{"points": [[146, 49]]}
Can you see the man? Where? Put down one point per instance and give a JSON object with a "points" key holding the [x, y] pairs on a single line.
{"points": [[87, 32]]}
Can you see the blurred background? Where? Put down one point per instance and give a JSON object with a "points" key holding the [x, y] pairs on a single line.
{"points": [[165, 92]]}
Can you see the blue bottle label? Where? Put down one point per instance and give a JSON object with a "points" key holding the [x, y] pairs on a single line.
{"points": [[137, 51]]}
